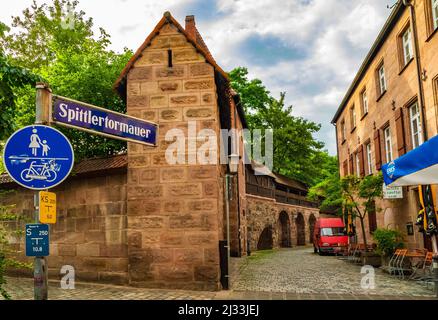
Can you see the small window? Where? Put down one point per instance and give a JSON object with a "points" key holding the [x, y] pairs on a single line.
{"points": [[343, 131], [364, 102], [169, 58], [369, 158], [382, 79], [416, 130], [435, 14], [388, 144], [353, 117], [357, 164], [407, 46]]}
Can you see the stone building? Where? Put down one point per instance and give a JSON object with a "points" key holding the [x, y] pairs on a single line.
{"points": [[391, 108], [136, 218]]}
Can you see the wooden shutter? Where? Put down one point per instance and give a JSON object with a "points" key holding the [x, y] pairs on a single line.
{"points": [[345, 164], [400, 130], [377, 149], [361, 161], [372, 217], [351, 165]]}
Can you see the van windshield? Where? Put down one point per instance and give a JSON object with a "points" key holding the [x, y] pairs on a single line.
{"points": [[333, 232]]}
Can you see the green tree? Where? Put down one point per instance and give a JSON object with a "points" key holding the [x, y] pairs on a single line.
{"points": [[296, 152], [57, 42], [349, 194]]}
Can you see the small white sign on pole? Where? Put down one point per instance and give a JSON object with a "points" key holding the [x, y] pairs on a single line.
{"points": [[392, 192]]}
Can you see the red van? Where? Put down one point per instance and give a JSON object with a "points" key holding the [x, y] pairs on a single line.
{"points": [[329, 236]]}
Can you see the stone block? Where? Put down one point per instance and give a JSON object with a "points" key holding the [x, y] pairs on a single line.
{"points": [[114, 278], [186, 99], [134, 240], [169, 28], [117, 264], [199, 113], [138, 161], [201, 70], [140, 265], [199, 84], [206, 273], [172, 206], [208, 98], [170, 86], [149, 115], [187, 55], [67, 250], [201, 238], [94, 237], [113, 250], [148, 87], [143, 207], [90, 276], [162, 255], [141, 223], [159, 159], [133, 88], [139, 102], [210, 189], [173, 174], [141, 192], [211, 255], [176, 272], [202, 205], [186, 190], [147, 176], [172, 239], [152, 57], [159, 101], [202, 172], [140, 73], [174, 73], [150, 238], [173, 114], [94, 264], [188, 256], [193, 221], [88, 250]]}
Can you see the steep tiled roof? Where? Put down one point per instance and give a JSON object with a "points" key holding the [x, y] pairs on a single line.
{"points": [[89, 166], [197, 42]]}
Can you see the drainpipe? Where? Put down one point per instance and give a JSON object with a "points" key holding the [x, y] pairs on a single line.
{"points": [[408, 3]]}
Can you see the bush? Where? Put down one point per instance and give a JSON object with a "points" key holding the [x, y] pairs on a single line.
{"points": [[388, 241]]}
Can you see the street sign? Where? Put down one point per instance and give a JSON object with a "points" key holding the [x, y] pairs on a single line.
{"points": [[38, 157], [37, 240], [392, 192], [47, 207], [86, 117]]}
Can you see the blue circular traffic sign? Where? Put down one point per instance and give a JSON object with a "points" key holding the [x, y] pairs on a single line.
{"points": [[38, 157]]}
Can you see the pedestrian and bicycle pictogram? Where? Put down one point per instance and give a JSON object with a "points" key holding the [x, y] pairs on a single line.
{"points": [[38, 157]]}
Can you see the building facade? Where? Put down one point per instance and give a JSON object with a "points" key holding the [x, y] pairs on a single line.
{"points": [[391, 108], [142, 220]]}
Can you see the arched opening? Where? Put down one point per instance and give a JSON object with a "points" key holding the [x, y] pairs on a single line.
{"points": [[312, 221], [265, 239], [285, 240], [301, 232]]}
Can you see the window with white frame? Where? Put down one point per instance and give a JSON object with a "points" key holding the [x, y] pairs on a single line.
{"points": [[353, 117], [357, 165], [382, 79], [364, 102], [435, 13], [408, 52], [369, 158], [388, 144], [415, 119]]}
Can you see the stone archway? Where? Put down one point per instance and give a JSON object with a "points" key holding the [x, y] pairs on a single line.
{"points": [[266, 241], [301, 232], [312, 221], [285, 236]]}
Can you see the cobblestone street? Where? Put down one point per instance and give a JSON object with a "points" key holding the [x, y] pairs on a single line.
{"points": [[287, 274], [301, 271]]}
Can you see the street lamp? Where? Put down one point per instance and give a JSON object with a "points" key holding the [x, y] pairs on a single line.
{"points": [[233, 167]]}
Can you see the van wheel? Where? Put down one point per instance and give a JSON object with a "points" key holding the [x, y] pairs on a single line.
{"points": [[320, 252]]}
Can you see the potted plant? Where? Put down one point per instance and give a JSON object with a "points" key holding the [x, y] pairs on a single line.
{"points": [[387, 242]]}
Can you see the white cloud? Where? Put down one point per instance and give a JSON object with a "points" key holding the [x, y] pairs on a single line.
{"points": [[334, 36]]}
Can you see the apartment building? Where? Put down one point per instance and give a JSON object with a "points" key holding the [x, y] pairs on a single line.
{"points": [[391, 108]]}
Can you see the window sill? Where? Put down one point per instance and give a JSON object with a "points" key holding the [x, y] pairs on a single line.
{"points": [[363, 117], [352, 130], [381, 96], [405, 66], [432, 34]]}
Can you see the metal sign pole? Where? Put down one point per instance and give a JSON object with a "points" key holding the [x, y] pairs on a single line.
{"points": [[42, 116]]}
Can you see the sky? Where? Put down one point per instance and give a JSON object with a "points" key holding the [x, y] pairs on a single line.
{"points": [[310, 49]]}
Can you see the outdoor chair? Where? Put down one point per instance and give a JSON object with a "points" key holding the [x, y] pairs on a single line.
{"points": [[403, 265], [426, 270]]}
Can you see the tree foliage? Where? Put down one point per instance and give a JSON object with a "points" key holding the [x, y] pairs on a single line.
{"points": [[297, 153], [57, 42]]}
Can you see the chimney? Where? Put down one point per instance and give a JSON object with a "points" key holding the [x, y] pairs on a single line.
{"points": [[191, 27]]}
